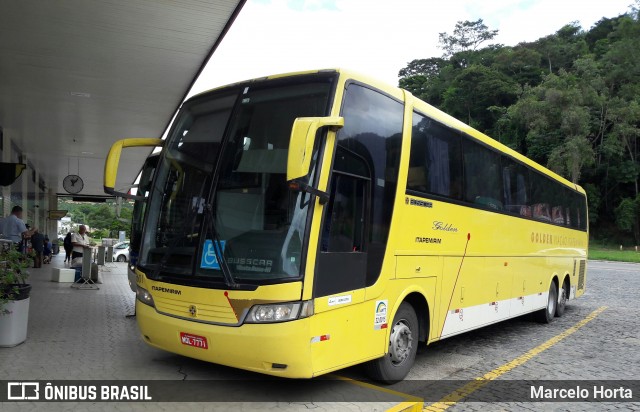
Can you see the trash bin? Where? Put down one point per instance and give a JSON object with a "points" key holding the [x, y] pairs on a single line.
{"points": [[55, 249]]}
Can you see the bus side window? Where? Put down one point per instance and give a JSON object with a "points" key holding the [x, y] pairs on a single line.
{"points": [[515, 179], [435, 164], [483, 185]]}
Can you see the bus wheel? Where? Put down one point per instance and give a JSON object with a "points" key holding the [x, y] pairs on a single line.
{"points": [[562, 299], [403, 345], [546, 315]]}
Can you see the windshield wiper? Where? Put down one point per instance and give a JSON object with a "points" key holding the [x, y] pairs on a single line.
{"points": [[217, 248], [191, 213]]}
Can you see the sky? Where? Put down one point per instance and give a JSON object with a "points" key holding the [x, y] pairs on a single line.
{"points": [[374, 37]]}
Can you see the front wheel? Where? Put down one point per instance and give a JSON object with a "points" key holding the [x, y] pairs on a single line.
{"points": [[546, 315], [122, 258], [403, 345]]}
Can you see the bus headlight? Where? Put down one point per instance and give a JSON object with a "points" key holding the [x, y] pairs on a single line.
{"points": [[144, 296], [279, 312]]}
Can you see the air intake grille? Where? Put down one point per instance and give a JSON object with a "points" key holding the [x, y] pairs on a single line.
{"points": [[581, 275]]}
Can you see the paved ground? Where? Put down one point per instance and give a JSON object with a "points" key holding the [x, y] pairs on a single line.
{"points": [[83, 334]]}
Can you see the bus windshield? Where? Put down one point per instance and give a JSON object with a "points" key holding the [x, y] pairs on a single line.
{"points": [[222, 179]]}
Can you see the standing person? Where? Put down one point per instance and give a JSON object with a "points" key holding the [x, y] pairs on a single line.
{"points": [[68, 247], [37, 243], [13, 228], [79, 241]]}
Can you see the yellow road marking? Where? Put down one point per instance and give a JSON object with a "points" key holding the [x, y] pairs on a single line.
{"points": [[413, 403], [407, 407], [464, 391]]}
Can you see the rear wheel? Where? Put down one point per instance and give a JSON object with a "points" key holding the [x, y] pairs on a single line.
{"points": [[403, 344], [546, 315], [562, 299], [122, 258]]}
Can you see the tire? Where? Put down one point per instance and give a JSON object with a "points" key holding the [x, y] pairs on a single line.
{"points": [[547, 314], [121, 258], [403, 345], [562, 299]]}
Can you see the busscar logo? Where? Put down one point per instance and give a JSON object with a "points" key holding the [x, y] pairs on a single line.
{"points": [[22, 391], [416, 202]]}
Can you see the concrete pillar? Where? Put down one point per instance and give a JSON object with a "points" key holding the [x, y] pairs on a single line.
{"points": [[37, 205], [52, 204], [6, 157], [26, 175]]}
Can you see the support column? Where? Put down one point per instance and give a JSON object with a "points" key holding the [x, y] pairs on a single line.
{"points": [[37, 205], [25, 189], [6, 157], [52, 204]]}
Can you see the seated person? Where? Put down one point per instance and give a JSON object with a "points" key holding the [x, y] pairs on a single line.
{"points": [[525, 211], [541, 212], [556, 215], [46, 252]]}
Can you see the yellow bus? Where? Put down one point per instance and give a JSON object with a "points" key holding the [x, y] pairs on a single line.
{"points": [[302, 223]]}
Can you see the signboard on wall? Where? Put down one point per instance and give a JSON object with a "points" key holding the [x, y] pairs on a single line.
{"points": [[57, 214]]}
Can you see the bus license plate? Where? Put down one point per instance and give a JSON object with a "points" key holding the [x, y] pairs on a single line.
{"points": [[193, 340]]}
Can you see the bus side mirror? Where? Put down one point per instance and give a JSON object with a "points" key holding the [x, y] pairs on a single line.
{"points": [[113, 161], [303, 136]]}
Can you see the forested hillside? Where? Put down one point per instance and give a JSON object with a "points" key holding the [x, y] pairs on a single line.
{"points": [[570, 101]]}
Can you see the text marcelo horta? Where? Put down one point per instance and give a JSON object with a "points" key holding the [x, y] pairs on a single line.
{"points": [[595, 392]]}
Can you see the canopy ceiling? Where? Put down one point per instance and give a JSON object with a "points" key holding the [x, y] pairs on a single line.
{"points": [[76, 75]]}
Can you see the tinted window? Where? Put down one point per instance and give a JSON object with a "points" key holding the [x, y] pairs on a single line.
{"points": [[435, 164], [517, 191], [445, 163], [345, 229], [482, 176], [373, 130]]}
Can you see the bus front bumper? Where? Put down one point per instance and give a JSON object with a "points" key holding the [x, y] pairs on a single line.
{"points": [[280, 349]]}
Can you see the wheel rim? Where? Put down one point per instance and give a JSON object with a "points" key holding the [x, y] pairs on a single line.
{"points": [[400, 342], [563, 296], [551, 305]]}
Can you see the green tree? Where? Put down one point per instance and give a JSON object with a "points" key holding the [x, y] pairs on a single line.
{"points": [[562, 48], [101, 217], [627, 216], [557, 118], [467, 35], [474, 90]]}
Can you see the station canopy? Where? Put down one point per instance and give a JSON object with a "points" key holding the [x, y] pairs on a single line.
{"points": [[77, 75]]}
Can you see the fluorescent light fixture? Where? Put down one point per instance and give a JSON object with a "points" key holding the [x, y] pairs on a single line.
{"points": [[80, 94]]}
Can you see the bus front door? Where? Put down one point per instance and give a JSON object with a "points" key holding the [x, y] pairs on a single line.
{"points": [[340, 275]]}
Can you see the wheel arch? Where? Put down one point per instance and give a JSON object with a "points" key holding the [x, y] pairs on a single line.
{"points": [[567, 278], [417, 299]]}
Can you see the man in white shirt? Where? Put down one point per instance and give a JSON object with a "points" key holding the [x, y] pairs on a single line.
{"points": [[79, 241], [13, 228]]}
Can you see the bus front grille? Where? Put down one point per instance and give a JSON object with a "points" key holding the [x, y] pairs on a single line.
{"points": [[199, 312]]}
